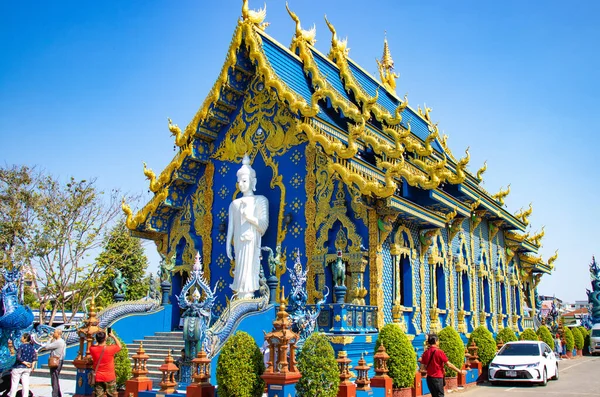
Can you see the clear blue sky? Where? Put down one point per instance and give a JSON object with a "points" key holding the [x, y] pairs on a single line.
{"points": [[86, 89]]}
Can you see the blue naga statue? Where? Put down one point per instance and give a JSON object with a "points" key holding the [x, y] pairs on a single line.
{"points": [[304, 320], [15, 318], [594, 294], [197, 301]]}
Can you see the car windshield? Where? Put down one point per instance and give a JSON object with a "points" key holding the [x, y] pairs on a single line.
{"points": [[596, 333], [520, 349]]}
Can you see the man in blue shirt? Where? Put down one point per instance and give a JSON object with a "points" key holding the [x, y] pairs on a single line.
{"points": [[26, 358]]}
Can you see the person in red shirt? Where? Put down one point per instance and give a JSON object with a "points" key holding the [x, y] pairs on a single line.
{"points": [[433, 361], [103, 356]]}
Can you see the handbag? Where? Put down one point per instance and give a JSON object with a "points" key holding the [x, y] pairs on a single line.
{"points": [[53, 362], [92, 374]]}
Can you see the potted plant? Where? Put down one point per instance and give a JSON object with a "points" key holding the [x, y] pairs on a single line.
{"points": [[486, 348], [586, 338], [545, 336], [402, 363], [506, 335], [579, 341], [239, 367], [569, 341], [319, 369], [122, 365], [453, 346], [528, 334]]}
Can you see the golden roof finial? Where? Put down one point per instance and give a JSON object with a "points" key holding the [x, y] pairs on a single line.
{"points": [[386, 60], [386, 67]]}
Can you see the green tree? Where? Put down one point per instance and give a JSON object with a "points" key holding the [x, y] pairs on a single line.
{"points": [[506, 335], [544, 334], [126, 253], [122, 363], [528, 334], [453, 346], [578, 338], [239, 367], [486, 345], [319, 369], [569, 340], [51, 227], [19, 199], [402, 363]]}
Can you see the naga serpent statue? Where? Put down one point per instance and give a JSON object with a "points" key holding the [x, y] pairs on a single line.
{"points": [[304, 320], [197, 314], [15, 319], [594, 294]]}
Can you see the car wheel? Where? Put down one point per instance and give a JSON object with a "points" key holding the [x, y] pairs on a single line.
{"points": [[544, 381], [555, 377]]}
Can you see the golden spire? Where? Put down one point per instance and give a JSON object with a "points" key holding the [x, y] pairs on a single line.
{"points": [[386, 60], [386, 67]]}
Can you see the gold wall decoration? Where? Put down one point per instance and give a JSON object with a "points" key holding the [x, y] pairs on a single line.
{"points": [[310, 211], [203, 219]]}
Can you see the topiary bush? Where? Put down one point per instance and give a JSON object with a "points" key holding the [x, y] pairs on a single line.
{"points": [[586, 338], [529, 334], [402, 363], [316, 362], [239, 367], [453, 346], [544, 334], [506, 335], [578, 338], [122, 363], [486, 345], [569, 340]]}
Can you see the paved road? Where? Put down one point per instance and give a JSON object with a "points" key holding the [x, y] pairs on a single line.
{"points": [[578, 378]]}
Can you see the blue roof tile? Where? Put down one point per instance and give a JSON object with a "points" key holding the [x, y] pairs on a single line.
{"points": [[418, 125], [331, 73], [288, 68]]}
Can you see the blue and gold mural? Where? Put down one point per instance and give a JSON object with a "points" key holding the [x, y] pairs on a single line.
{"points": [[349, 167]]}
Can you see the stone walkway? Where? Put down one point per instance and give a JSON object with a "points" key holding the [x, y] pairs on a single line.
{"points": [[41, 387]]}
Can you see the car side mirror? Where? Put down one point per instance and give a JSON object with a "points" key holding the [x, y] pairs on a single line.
{"points": [[546, 354]]}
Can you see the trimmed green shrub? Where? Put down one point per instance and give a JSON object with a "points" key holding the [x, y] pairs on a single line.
{"points": [[586, 338], [316, 362], [402, 363], [569, 340], [506, 335], [122, 363], [544, 334], [529, 334], [239, 367], [486, 345], [454, 348], [578, 338]]}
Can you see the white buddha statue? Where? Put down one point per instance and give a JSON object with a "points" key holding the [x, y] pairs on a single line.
{"points": [[248, 221]]}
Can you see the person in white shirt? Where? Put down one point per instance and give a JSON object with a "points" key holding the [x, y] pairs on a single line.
{"points": [[58, 349]]}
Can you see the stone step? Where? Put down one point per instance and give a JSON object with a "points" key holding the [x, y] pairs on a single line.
{"points": [[156, 346]]}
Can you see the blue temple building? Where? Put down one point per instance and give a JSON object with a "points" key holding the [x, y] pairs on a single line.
{"points": [[347, 166]]}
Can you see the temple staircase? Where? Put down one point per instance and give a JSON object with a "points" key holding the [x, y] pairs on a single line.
{"points": [[156, 346]]}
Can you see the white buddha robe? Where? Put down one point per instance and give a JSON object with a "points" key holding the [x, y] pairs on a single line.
{"points": [[247, 242]]}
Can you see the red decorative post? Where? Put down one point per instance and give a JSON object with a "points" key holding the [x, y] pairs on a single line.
{"points": [[347, 388], [281, 375], [168, 384], [474, 363], [139, 382], [200, 386], [84, 362], [381, 378], [363, 383]]}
